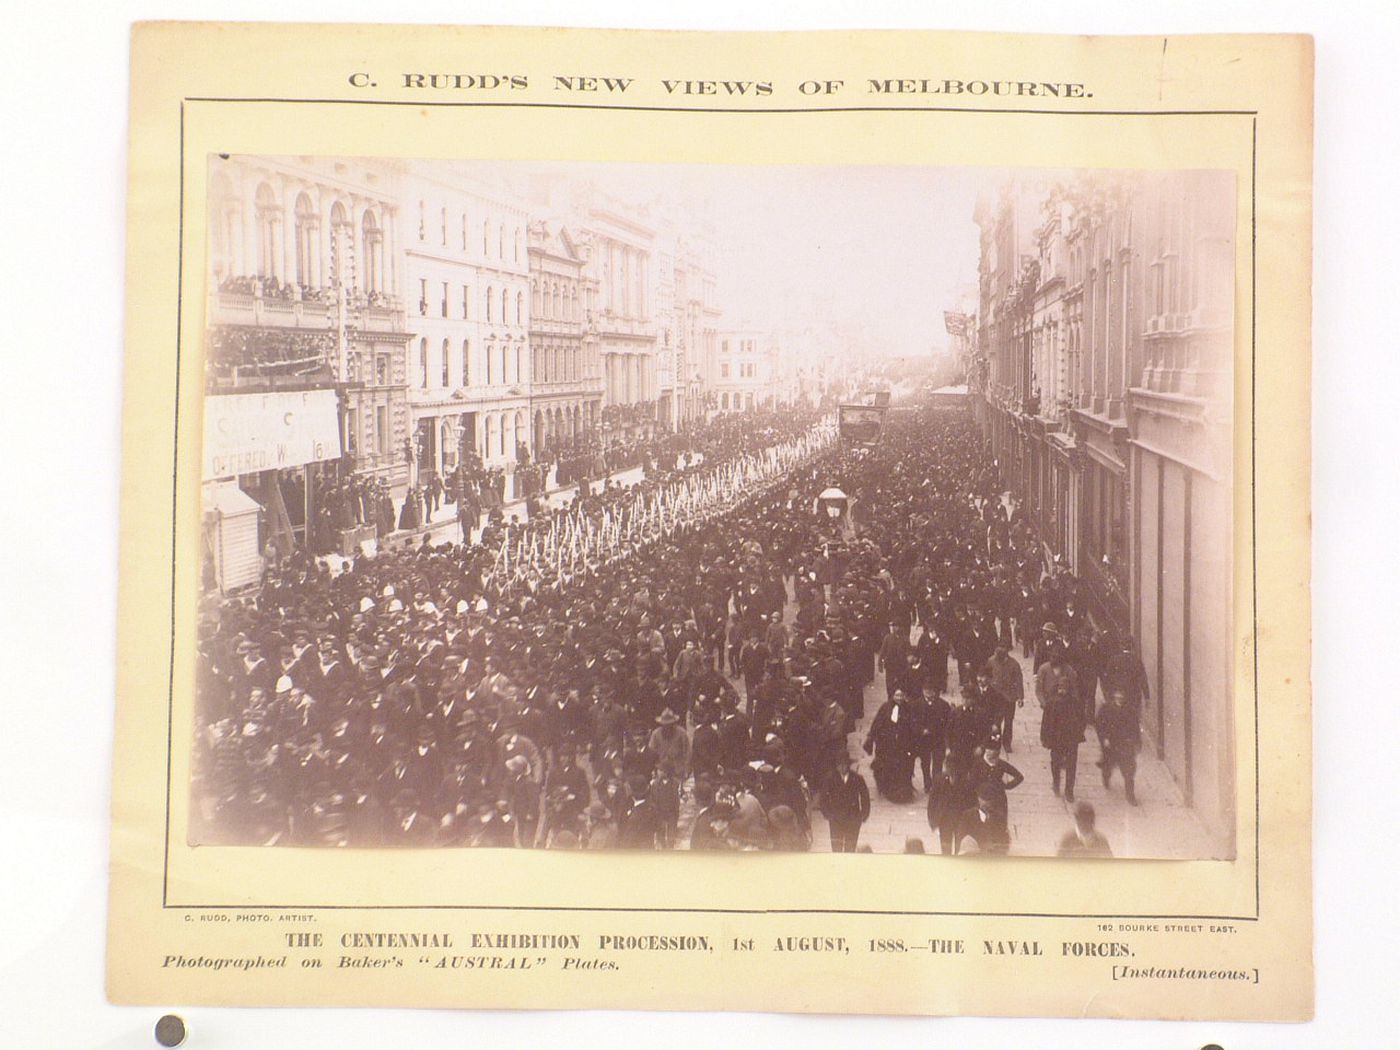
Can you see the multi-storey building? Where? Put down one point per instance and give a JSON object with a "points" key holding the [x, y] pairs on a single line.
{"points": [[566, 389], [745, 373], [466, 271], [687, 324], [1180, 457], [620, 265], [305, 335], [1101, 377]]}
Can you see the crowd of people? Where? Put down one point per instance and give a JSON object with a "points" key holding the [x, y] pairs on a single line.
{"points": [[706, 689]]}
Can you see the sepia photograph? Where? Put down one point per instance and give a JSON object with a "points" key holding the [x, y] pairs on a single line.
{"points": [[674, 507]]}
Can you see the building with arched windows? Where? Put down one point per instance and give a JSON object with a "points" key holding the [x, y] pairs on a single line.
{"points": [[619, 263], [467, 271], [746, 372], [566, 389], [304, 307], [688, 314]]}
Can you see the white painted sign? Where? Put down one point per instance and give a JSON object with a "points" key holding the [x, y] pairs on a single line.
{"points": [[246, 433]]}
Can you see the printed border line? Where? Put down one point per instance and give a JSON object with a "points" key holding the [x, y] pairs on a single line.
{"points": [[174, 514], [1254, 462], [1254, 497], [694, 911]]}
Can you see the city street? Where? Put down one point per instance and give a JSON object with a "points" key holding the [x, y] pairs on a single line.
{"points": [[1161, 826], [479, 338]]}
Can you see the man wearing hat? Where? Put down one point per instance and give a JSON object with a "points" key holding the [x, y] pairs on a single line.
{"points": [[669, 745], [407, 824], [1121, 736], [1123, 671], [1007, 678], [845, 802], [711, 828], [1062, 731], [600, 829], [983, 826], [251, 671], [522, 795]]}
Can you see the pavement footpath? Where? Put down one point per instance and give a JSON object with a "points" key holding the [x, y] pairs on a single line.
{"points": [[1161, 826]]}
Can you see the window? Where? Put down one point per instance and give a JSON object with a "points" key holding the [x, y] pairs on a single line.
{"points": [[464, 231], [519, 363], [381, 369], [485, 236], [423, 362], [505, 304], [724, 402], [490, 295], [267, 215], [724, 371], [422, 297], [505, 360], [517, 244], [724, 346], [444, 298], [501, 242], [444, 227], [519, 307], [305, 238], [488, 373], [466, 302], [446, 366], [422, 221], [466, 362], [352, 431], [381, 428], [371, 254]]}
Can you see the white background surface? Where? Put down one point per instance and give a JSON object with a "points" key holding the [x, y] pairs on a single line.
{"points": [[63, 173]]}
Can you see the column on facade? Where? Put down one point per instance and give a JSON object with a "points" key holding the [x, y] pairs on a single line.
{"points": [[287, 228], [380, 276], [249, 240], [325, 253]]}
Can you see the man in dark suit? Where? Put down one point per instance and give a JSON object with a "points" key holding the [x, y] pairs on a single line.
{"points": [[894, 658], [845, 802], [984, 825], [1062, 731], [1121, 736], [1123, 671]]}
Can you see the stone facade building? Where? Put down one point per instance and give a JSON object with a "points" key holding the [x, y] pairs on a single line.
{"points": [[466, 267], [566, 391], [1102, 384], [305, 298]]}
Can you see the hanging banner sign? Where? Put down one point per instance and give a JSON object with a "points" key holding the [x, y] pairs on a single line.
{"points": [[246, 433]]}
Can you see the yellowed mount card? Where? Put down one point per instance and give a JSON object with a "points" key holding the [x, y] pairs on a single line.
{"points": [[365, 258]]}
